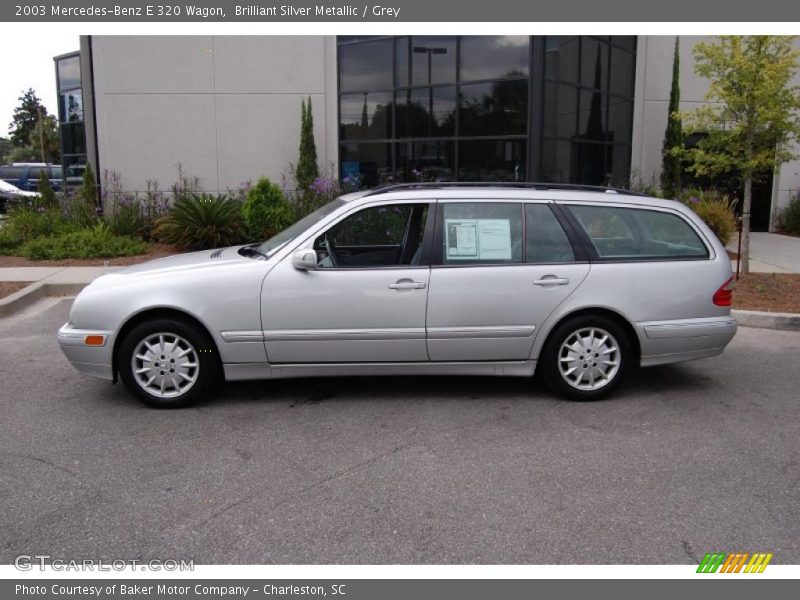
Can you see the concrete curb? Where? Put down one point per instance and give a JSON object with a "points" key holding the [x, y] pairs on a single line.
{"points": [[767, 320], [34, 292]]}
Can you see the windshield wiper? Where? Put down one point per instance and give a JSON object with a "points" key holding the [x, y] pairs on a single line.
{"points": [[251, 251]]}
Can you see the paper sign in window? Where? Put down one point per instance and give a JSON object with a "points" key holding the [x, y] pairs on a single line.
{"points": [[478, 239]]}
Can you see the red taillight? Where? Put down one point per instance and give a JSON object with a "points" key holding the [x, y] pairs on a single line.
{"points": [[724, 295]]}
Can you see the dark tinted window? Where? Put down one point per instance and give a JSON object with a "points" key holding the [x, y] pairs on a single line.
{"points": [[426, 112], [11, 172], [497, 108], [638, 233], [369, 163], [365, 116], [481, 233], [425, 161], [367, 66], [545, 239], [594, 63], [73, 138], [428, 60], [623, 72], [491, 160], [71, 106], [493, 56], [562, 54], [69, 73], [560, 110], [588, 109]]}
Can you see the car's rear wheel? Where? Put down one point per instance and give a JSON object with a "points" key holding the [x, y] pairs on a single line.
{"points": [[167, 363], [586, 357]]}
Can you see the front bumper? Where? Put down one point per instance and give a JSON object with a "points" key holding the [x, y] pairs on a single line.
{"points": [[95, 359], [664, 342]]}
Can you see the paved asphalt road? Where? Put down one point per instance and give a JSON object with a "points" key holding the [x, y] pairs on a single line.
{"points": [[687, 459]]}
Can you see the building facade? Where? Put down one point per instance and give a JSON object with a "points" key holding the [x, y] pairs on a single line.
{"points": [[573, 109]]}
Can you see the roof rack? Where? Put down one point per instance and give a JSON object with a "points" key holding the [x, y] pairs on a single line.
{"points": [[398, 187]]}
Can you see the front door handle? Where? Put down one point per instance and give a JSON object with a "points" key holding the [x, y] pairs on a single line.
{"points": [[551, 280], [407, 284]]}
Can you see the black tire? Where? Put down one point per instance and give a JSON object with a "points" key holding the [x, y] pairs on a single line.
{"points": [[550, 358], [205, 375]]}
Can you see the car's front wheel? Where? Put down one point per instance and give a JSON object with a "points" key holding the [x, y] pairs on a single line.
{"points": [[167, 363], [586, 357]]}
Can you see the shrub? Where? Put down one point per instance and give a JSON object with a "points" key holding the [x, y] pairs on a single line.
{"points": [[122, 211], [9, 242], [199, 221], [96, 242], [47, 196], [26, 223], [266, 211], [789, 218], [717, 210]]}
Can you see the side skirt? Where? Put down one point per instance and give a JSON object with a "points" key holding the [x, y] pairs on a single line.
{"points": [[244, 371]]}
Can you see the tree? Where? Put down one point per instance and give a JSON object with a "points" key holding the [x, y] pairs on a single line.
{"points": [[25, 118], [88, 189], [753, 116], [47, 197], [672, 149], [307, 170], [44, 141]]}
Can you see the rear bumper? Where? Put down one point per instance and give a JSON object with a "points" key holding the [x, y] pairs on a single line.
{"points": [[664, 342], [93, 360]]}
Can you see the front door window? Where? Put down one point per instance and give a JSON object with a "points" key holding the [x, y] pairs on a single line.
{"points": [[378, 236]]}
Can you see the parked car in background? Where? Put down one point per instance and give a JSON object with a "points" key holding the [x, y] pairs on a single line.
{"points": [[25, 176], [580, 284], [74, 175], [11, 193]]}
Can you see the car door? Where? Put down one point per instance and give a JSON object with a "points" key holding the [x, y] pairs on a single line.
{"points": [[365, 301], [499, 269]]}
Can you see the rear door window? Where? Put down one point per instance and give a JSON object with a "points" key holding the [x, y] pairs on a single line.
{"points": [[634, 233], [545, 239], [481, 233]]}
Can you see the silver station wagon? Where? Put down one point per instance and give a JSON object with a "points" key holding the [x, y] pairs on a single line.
{"points": [[580, 284]]}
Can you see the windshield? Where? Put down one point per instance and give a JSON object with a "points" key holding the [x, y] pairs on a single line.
{"points": [[291, 232]]}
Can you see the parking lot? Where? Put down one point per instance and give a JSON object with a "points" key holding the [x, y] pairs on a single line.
{"points": [[687, 459]]}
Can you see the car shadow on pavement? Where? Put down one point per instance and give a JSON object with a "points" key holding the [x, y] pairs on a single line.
{"points": [[297, 392]]}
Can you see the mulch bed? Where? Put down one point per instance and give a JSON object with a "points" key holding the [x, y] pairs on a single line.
{"points": [[9, 287], [156, 251], [773, 292]]}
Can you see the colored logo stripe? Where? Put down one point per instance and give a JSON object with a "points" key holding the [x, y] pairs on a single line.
{"points": [[711, 562], [733, 562], [758, 563]]}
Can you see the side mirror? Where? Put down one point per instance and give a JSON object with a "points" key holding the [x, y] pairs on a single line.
{"points": [[305, 260]]}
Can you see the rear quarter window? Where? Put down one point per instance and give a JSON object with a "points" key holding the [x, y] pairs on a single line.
{"points": [[637, 233]]}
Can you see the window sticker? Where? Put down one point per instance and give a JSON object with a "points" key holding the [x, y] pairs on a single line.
{"points": [[478, 239]]}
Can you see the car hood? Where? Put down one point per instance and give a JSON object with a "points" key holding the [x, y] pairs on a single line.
{"points": [[205, 259]]}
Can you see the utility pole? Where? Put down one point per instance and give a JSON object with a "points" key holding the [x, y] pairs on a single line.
{"points": [[41, 136]]}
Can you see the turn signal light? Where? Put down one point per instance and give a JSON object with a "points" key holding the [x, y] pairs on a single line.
{"points": [[94, 340], [724, 295]]}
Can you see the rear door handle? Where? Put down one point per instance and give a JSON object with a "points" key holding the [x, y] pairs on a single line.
{"points": [[551, 280], [408, 285]]}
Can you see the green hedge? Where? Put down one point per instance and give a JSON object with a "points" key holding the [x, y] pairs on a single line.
{"points": [[97, 242]]}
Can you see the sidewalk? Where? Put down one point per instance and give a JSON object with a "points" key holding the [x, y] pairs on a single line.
{"points": [[73, 275], [771, 253]]}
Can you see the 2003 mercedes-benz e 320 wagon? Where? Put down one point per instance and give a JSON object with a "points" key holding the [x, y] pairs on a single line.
{"points": [[579, 284]]}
